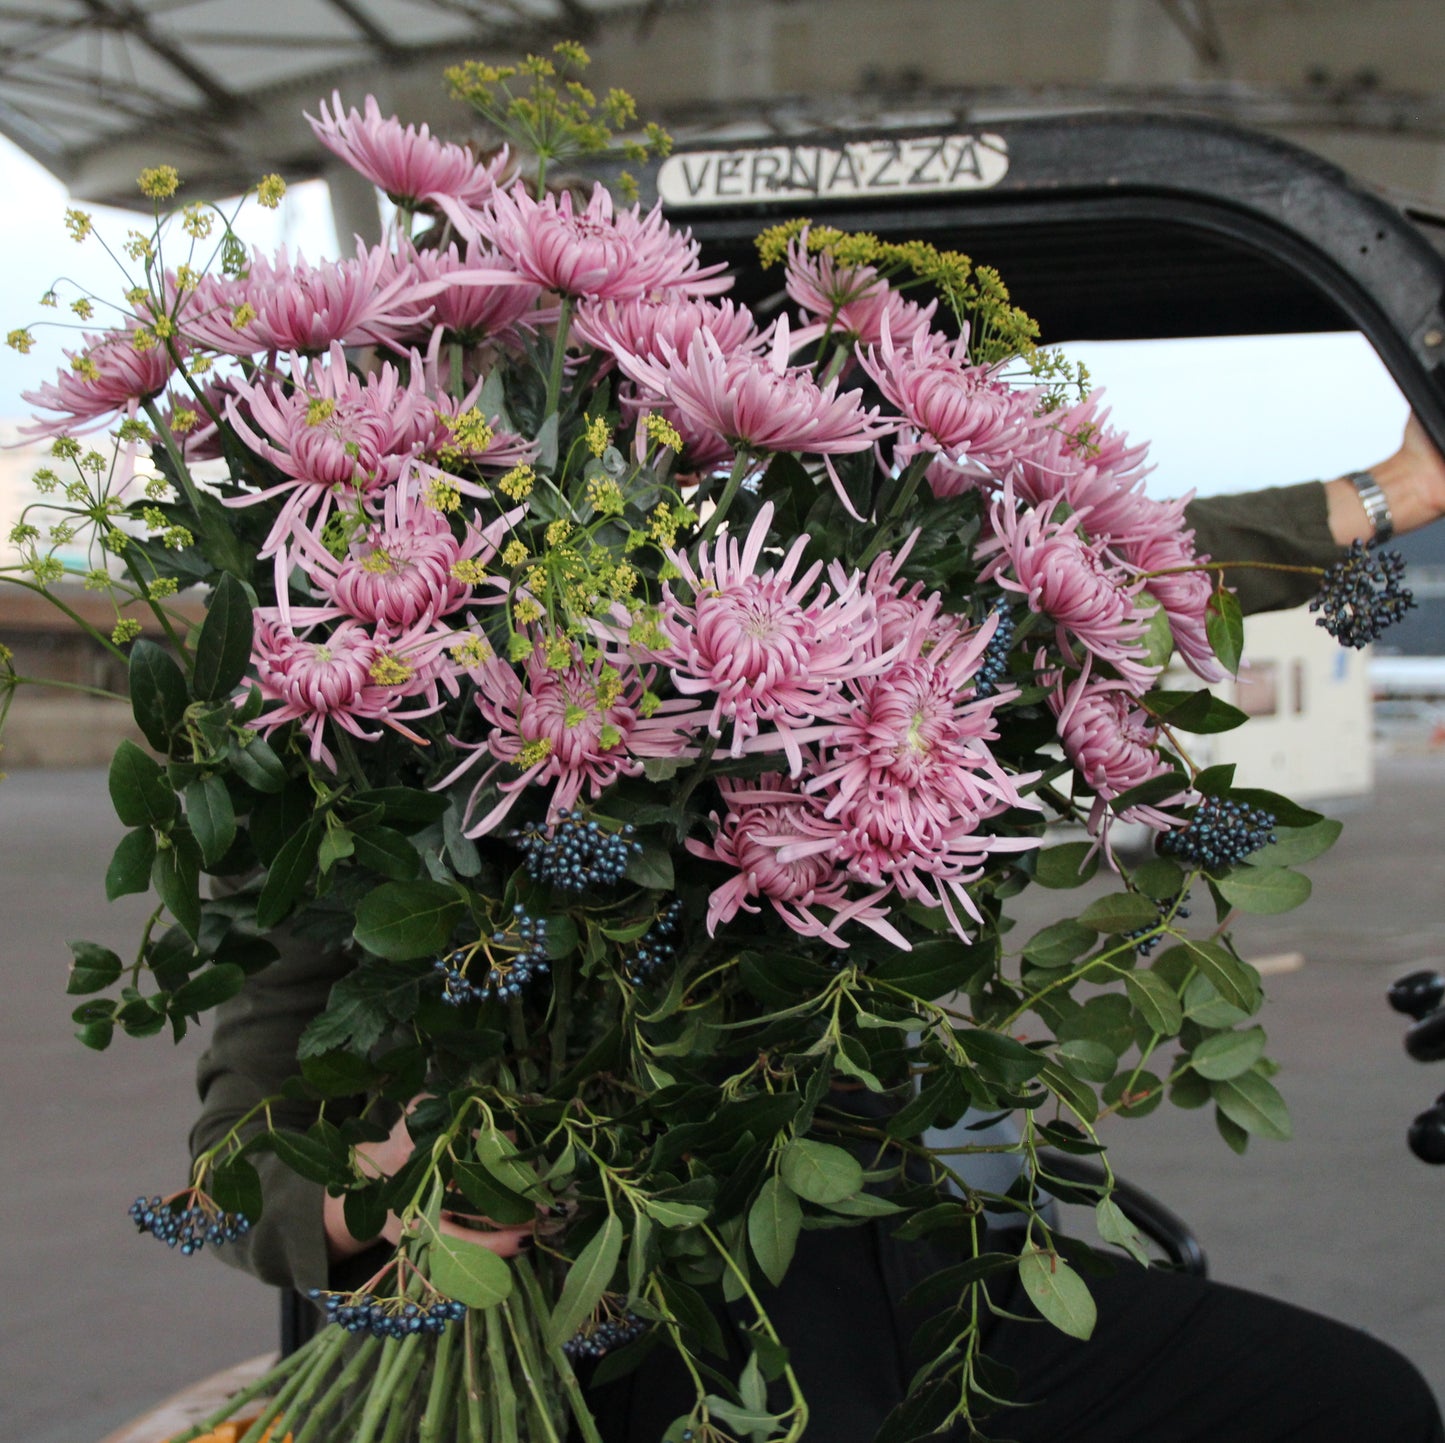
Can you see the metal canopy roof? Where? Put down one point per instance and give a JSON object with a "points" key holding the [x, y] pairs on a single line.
{"points": [[216, 84]]}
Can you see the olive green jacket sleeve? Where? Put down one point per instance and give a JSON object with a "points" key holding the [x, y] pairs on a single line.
{"points": [[1285, 525], [252, 1052]]}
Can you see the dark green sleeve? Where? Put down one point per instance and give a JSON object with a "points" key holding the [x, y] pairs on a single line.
{"points": [[1286, 525], [251, 1054]]}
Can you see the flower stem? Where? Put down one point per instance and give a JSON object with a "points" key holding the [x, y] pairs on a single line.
{"points": [[336, 1393], [442, 1385], [504, 1394], [477, 1431], [300, 1386], [236, 1401], [742, 464], [559, 357], [531, 1374], [581, 1413]]}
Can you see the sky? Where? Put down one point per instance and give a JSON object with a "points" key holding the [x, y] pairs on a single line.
{"points": [[1222, 414]]}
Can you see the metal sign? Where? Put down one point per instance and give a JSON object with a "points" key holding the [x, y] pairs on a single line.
{"points": [[903, 165]]}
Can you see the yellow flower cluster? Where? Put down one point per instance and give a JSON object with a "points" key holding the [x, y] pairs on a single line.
{"points": [[159, 182]]}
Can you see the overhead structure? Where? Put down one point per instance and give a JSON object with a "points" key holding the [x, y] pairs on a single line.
{"points": [[97, 89]]}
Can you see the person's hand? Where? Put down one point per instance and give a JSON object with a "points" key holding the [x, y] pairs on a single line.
{"points": [[381, 1159], [1413, 480]]}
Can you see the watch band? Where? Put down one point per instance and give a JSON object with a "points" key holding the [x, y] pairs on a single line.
{"points": [[1377, 508]]}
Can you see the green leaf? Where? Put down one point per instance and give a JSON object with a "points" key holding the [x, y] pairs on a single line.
{"points": [[235, 1186], [404, 920], [468, 1272], [1224, 626], [1231, 1132], [1058, 1292], [674, 1214], [819, 1172], [337, 1074], [1091, 1061], [587, 1279], [158, 695], [94, 969], [130, 865], [1159, 878], [652, 867], [1264, 893], [1156, 789], [1293, 845], [1115, 1228], [223, 646], [1158, 638], [211, 816], [1236, 982], [256, 764], [1194, 711], [933, 968], [774, 1221], [1286, 813], [386, 851], [405, 808], [1204, 1005], [1059, 944], [1000, 1058], [1227, 1054], [1121, 912], [176, 876], [1215, 781], [1156, 1002], [207, 989], [289, 873], [1253, 1103], [336, 845], [307, 1157], [490, 1198], [362, 1006], [1144, 1092], [364, 1210], [139, 790], [1069, 865]]}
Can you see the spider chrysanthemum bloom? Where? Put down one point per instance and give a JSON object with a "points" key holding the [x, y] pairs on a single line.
{"points": [[111, 376], [329, 433], [472, 296], [597, 251], [763, 651], [577, 728], [951, 407], [281, 306], [649, 330], [809, 891], [407, 162], [853, 303], [1090, 599], [1112, 742]]}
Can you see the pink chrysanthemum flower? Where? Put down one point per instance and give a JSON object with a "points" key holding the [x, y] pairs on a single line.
{"points": [[759, 404], [908, 778], [851, 302], [651, 330], [953, 408], [329, 433], [1112, 742], [408, 163], [578, 727], [405, 568], [762, 649], [461, 294], [339, 678], [1163, 555], [1074, 456], [763, 819], [600, 252], [1091, 601], [278, 306], [113, 375]]}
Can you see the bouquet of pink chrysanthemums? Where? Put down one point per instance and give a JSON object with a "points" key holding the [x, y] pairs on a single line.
{"points": [[652, 708]]}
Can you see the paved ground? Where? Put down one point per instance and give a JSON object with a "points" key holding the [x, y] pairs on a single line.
{"points": [[98, 1323]]}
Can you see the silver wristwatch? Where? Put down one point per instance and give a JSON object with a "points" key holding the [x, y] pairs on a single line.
{"points": [[1377, 508]]}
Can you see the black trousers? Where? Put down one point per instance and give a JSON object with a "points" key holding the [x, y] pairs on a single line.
{"points": [[1173, 1359]]}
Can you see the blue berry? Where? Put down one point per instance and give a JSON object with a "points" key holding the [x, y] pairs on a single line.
{"points": [[993, 665], [1170, 906], [1362, 596], [189, 1227], [576, 853], [512, 957], [658, 947], [1220, 833], [382, 1317], [601, 1334]]}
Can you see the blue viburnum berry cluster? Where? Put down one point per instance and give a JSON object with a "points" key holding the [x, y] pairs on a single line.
{"points": [[388, 1317], [1363, 594], [1170, 909], [994, 665], [1220, 833], [602, 1334], [501, 965], [576, 853], [658, 948], [188, 1229]]}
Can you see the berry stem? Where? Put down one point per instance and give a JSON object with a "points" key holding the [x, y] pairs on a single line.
{"points": [[336, 1393]]}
